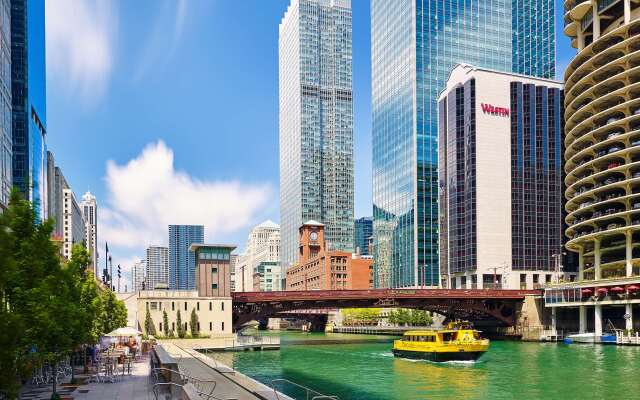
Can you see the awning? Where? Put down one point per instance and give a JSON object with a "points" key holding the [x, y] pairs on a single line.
{"points": [[617, 289], [633, 288], [587, 291], [601, 290]]}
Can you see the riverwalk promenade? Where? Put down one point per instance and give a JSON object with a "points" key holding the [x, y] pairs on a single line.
{"points": [[169, 371]]}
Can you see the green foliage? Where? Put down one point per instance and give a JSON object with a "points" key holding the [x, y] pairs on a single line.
{"points": [[165, 323], [193, 324], [361, 316], [149, 326], [112, 313], [47, 308], [181, 332], [404, 317]]}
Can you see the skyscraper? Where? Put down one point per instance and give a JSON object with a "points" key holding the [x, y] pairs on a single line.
{"points": [[29, 113], [414, 46], [316, 122], [157, 267], [602, 163], [138, 276], [6, 144], [363, 231], [263, 245], [182, 261], [500, 158], [73, 222], [89, 207]]}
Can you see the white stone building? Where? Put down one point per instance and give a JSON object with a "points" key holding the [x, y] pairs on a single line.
{"points": [[73, 226], [263, 245], [89, 207]]}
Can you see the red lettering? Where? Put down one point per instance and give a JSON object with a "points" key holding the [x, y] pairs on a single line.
{"points": [[491, 109]]}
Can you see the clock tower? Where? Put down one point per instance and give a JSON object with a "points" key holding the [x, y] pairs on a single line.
{"points": [[311, 240]]}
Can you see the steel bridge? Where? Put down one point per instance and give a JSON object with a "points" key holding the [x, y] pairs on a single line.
{"points": [[496, 305]]}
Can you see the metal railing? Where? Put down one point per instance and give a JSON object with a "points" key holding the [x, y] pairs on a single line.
{"points": [[309, 393], [197, 383]]}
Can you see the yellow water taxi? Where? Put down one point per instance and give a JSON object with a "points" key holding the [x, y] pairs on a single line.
{"points": [[458, 342]]}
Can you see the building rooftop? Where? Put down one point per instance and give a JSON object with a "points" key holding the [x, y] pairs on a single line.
{"points": [[313, 223], [196, 246], [269, 224]]}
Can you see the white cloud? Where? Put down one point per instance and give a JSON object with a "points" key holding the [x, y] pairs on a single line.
{"points": [[164, 37], [80, 40], [147, 194]]}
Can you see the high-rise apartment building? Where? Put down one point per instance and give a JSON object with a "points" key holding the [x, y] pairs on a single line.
{"points": [[182, 261], [362, 234], [414, 46], [316, 122], [500, 172], [157, 273], [138, 276], [602, 164], [72, 221], [89, 207], [6, 142], [29, 113], [263, 245]]}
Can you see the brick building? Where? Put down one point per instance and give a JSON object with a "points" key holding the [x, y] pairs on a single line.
{"points": [[322, 269]]}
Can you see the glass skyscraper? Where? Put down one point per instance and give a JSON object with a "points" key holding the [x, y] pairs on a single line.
{"points": [[6, 144], [182, 261], [316, 123], [28, 81], [363, 231], [414, 46]]}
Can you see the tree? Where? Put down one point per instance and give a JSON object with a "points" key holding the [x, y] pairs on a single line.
{"points": [[112, 313], [193, 324], [149, 326], [48, 308], [165, 323], [181, 332]]}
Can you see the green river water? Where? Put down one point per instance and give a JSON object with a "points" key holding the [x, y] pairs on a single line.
{"points": [[510, 370]]}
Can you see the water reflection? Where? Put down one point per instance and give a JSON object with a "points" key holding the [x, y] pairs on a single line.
{"points": [[463, 379]]}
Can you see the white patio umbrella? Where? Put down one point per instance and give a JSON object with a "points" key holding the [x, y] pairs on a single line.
{"points": [[126, 331]]}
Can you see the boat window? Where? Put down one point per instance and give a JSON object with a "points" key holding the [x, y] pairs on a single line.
{"points": [[448, 336]]}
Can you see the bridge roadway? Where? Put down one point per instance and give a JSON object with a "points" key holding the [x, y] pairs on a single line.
{"points": [[475, 304]]}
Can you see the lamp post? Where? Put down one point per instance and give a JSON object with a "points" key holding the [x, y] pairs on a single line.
{"points": [[110, 274]]}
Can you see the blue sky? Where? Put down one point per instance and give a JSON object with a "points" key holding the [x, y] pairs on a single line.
{"points": [[200, 76]]}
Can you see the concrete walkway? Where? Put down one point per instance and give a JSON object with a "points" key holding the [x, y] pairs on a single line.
{"points": [[137, 386]]}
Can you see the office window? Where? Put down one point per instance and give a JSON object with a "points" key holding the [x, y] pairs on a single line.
{"points": [[185, 306], [173, 306], [154, 305], [222, 306], [198, 325], [210, 326], [198, 306], [210, 306], [173, 326], [160, 327], [214, 286], [223, 326], [214, 270]]}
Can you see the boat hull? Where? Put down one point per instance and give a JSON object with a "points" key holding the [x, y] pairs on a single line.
{"points": [[440, 356]]}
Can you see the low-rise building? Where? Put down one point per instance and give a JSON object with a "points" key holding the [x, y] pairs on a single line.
{"points": [[214, 313], [211, 301], [322, 269]]}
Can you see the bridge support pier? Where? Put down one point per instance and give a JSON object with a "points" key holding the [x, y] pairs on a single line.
{"points": [[583, 319], [598, 320]]}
